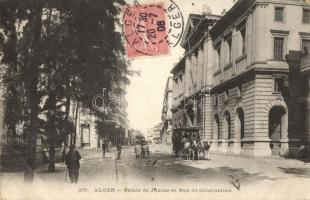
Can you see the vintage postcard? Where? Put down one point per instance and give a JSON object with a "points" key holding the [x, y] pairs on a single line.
{"points": [[155, 99]]}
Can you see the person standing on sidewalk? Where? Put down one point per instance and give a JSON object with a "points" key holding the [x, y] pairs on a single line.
{"points": [[119, 151], [73, 164], [207, 148], [109, 144], [104, 147], [138, 150], [148, 150]]}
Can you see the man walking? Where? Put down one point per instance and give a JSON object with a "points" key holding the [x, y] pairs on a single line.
{"points": [[104, 147], [109, 144], [207, 148], [73, 164], [119, 151]]}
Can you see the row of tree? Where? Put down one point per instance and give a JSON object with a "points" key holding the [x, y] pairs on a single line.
{"points": [[56, 52]]}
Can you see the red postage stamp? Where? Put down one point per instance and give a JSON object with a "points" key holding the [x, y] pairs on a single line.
{"points": [[144, 27]]}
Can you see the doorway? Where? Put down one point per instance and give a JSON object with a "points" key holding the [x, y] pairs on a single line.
{"points": [[277, 128]]}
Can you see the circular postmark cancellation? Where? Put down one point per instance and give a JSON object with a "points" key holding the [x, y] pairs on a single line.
{"points": [[152, 29]]}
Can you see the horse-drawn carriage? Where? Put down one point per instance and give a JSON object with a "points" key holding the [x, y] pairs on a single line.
{"points": [[187, 144]]}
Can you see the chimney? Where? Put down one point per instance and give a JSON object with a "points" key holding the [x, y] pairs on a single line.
{"points": [[224, 12]]}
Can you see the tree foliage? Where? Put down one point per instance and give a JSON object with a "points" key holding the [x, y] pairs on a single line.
{"points": [[55, 52]]}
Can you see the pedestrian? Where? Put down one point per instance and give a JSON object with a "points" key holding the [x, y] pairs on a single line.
{"points": [[148, 150], [142, 148], [302, 152], [109, 146], [207, 147], [104, 148], [138, 150], [73, 164], [119, 151]]}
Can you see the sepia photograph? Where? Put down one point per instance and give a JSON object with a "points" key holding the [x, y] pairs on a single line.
{"points": [[154, 99]]}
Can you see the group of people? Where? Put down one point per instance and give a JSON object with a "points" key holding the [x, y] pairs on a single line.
{"points": [[142, 150]]}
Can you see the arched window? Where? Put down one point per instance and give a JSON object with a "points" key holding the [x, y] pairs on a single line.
{"points": [[239, 124], [226, 126], [216, 127]]}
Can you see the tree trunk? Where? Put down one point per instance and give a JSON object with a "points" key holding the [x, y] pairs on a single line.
{"points": [[52, 131], [75, 123], [32, 76], [66, 123]]}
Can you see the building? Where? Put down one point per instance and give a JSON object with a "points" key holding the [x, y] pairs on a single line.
{"points": [[166, 117], [86, 132], [154, 134], [191, 78], [255, 79]]}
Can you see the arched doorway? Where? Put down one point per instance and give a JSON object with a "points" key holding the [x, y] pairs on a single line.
{"points": [[277, 128], [226, 126], [239, 124], [216, 127]]}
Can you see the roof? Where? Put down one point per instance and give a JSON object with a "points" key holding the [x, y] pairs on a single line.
{"points": [[239, 8], [178, 66], [196, 28]]}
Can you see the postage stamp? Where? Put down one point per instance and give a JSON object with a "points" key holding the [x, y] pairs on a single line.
{"points": [[152, 29]]}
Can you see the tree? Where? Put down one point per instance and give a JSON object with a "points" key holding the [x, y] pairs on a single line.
{"points": [[66, 51]]}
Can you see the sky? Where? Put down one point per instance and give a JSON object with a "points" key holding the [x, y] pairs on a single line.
{"points": [[146, 92]]}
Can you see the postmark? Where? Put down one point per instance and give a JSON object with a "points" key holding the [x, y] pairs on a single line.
{"points": [[152, 29]]}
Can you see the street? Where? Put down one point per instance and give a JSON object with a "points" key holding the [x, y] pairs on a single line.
{"points": [[162, 173]]}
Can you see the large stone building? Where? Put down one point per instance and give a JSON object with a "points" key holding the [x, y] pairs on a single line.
{"points": [[254, 63]]}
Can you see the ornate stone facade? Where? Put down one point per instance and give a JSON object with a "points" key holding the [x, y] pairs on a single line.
{"points": [[250, 102]]}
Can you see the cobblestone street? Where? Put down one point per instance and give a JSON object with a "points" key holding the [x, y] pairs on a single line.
{"points": [[162, 173]]}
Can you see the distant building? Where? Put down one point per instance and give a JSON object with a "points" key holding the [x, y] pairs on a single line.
{"points": [[166, 116], [86, 132], [156, 133]]}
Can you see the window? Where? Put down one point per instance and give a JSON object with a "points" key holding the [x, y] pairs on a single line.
{"points": [[306, 16], [243, 31], [305, 46], [218, 57], [278, 14], [278, 84], [215, 100], [278, 48], [229, 50], [239, 91]]}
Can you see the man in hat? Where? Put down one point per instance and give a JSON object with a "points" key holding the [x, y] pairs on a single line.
{"points": [[119, 151], [73, 164], [104, 147]]}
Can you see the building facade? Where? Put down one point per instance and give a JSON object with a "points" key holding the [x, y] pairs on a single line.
{"points": [[156, 130], [257, 99], [166, 117], [191, 78]]}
